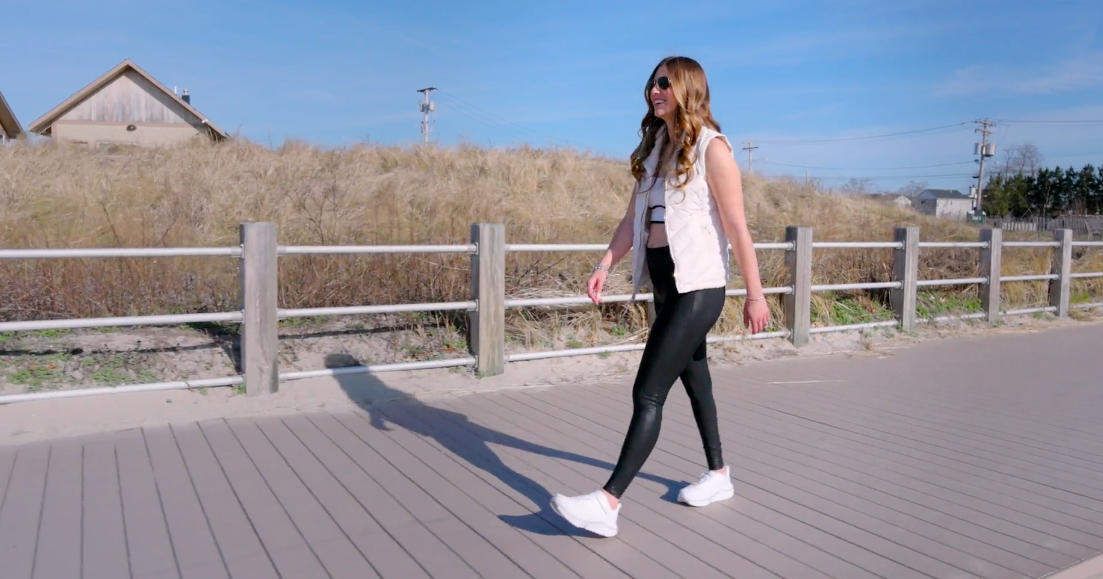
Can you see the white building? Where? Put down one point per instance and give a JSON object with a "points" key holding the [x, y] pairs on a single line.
{"points": [[948, 203]]}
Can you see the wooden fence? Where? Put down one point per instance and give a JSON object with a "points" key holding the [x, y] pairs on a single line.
{"points": [[259, 255]]}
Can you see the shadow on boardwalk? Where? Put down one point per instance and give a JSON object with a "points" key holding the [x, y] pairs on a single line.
{"points": [[470, 442]]}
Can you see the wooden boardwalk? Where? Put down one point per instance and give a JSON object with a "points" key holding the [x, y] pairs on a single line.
{"points": [[972, 457]]}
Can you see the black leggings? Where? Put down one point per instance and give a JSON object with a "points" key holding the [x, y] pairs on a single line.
{"points": [[675, 349]]}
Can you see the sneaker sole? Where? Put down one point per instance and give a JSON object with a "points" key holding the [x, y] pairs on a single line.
{"points": [[596, 528], [720, 496]]}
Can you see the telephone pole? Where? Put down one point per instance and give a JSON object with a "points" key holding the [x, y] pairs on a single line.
{"points": [[984, 149], [427, 107], [750, 162]]}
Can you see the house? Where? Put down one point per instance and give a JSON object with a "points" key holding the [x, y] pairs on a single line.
{"points": [[902, 201], [948, 203], [126, 106], [9, 125]]}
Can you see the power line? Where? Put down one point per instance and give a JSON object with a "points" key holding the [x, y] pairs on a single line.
{"points": [[459, 101], [867, 137], [883, 177], [869, 168], [1051, 122]]}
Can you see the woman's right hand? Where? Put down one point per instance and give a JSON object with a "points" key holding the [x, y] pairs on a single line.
{"points": [[596, 284]]}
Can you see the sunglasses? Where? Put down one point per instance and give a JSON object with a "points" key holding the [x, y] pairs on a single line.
{"points": [[662, 81]]}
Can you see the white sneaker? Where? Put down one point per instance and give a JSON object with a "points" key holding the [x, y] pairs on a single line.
{"points": [[590, 512], [711, 487]]}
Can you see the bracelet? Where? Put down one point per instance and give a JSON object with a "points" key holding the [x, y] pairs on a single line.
{"points": [[750, 299], [601, 267]]}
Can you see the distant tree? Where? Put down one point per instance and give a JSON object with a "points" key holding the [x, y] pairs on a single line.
{"points": [[913, 188], [1007, 196], [855, 187], [1023, 159]]}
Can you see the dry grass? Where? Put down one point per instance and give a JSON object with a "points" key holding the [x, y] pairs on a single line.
{"points": [[65, 196]]}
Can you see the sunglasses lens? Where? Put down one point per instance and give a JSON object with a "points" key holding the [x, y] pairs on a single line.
{"points": [[663, 82]]}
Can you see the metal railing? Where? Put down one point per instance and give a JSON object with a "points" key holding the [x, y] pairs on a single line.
{"points": [[259, 254]]}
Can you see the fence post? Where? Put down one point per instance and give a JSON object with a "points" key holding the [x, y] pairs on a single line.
{"points": [[798, 305], [259, 337], [990, 259], [905, 269], [1060, 288], [487, 339]]}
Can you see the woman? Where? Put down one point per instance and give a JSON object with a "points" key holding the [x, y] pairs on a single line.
{"points": [[689, 195]]}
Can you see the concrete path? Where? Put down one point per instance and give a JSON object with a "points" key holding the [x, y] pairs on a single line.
{"points": [[969, 457]]}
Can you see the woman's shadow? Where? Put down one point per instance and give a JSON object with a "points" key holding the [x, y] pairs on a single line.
{"points": [[470, 442]]}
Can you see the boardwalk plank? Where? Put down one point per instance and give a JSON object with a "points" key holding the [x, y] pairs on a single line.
{"points": [[234, 533], [435, 554], [690, 557], [58, 554], [334, 549], [1050, 488], [625, 556], [1035, 527], [661, 462], [22, 509], [148, 537], [856, 404], [386, 556], [536, 548], [758, 544], [1067, 477], [789, 535], [292, 557], [674, 444], [103, 529], [481, 539], [873, 501], [193, 542], [499, 496], [973, 486]]}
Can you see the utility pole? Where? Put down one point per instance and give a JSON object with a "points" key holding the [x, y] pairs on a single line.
{"points": [[984, 149], [750, 162], [427, 107]]}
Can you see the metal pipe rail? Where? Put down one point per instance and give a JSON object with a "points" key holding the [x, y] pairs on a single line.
{"points": [[570, 352], [857, 245], [1028, 311], [376, 368], [943, 282], [858, 286], [854, 327], [380, 309], [1087, 243], [953, 244], [1032, 244], [1086, 275], [616, 298], [979, 316], [1040, 277], [78, 323], [553, 247], [152, 387], [232, 251], [373, 249]]}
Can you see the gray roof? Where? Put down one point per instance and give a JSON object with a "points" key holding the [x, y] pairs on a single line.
{"points": [[942, 194], [9, 125]]}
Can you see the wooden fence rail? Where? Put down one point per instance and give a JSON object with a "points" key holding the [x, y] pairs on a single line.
{"points": [[259, 255]]}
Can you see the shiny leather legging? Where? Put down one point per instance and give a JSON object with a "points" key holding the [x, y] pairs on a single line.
{"points": [[676, 348]]}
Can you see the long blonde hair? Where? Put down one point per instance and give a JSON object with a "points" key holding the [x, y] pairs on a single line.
{"points": [[691, 93]]}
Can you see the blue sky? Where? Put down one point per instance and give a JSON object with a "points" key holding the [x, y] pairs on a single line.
{"points": [[571, 72]]}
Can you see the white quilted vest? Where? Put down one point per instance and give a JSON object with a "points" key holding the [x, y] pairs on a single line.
{"points": [[698, 244]]}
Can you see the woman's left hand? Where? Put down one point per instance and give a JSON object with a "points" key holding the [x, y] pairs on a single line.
{"points": [[756, 315]]}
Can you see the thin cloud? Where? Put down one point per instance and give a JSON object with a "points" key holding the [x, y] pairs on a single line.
{"points": [[1074, 74]]}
